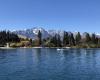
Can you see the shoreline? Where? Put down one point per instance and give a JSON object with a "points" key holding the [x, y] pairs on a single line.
{"points": [[45, 47], [7, 48]]}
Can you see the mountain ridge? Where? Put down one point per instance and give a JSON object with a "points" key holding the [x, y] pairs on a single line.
{"points": [[33, 32]]}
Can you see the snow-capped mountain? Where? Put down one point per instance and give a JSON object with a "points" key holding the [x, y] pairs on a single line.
{"points": [[32, 33]]}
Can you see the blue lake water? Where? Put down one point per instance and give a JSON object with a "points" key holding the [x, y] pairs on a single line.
{"points": [[50, 64]]}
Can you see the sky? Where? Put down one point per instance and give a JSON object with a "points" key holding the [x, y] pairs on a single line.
{"points": [[69, 15]]}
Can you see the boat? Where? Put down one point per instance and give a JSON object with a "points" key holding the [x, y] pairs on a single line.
{"points": [[65, 48], [59, 49]]}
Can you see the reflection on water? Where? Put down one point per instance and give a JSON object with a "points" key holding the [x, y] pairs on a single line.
{"points": [[50, 64]]}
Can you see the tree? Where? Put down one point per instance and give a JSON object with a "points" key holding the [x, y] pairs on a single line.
{"points": [[93, 38], [59, 41], [97, 41], [31, 42], [65, 39], [71, 39], [54, 40], [78, 38], [88, 38], [7, 37], [39, 38]]}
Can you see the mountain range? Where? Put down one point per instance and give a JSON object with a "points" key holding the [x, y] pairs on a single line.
{"points": [[33, 32]]}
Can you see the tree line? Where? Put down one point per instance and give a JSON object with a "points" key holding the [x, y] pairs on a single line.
{"points": [[71, 40], [7, 37]]}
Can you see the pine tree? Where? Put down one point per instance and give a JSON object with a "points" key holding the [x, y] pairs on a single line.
{"points": [[53, 40], [78, 38], [40, 37], [59, 41], [7, 36], [88, 38], [65, 39], [93, 38], [97, 40], [71, 39]]}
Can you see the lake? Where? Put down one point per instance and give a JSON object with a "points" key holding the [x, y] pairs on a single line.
{"points": [[50, 64]]}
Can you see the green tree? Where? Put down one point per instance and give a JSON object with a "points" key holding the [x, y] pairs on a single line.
{"points": [[71, 39], [93, 38], [31, 42], [88, 38], [59, 43], [54, 41], [7, 37], [65, 39], [39, 38], [97, 40], [78, 38]]}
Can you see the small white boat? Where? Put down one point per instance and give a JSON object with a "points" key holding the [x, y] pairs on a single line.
{"points": [[59, 49]]}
